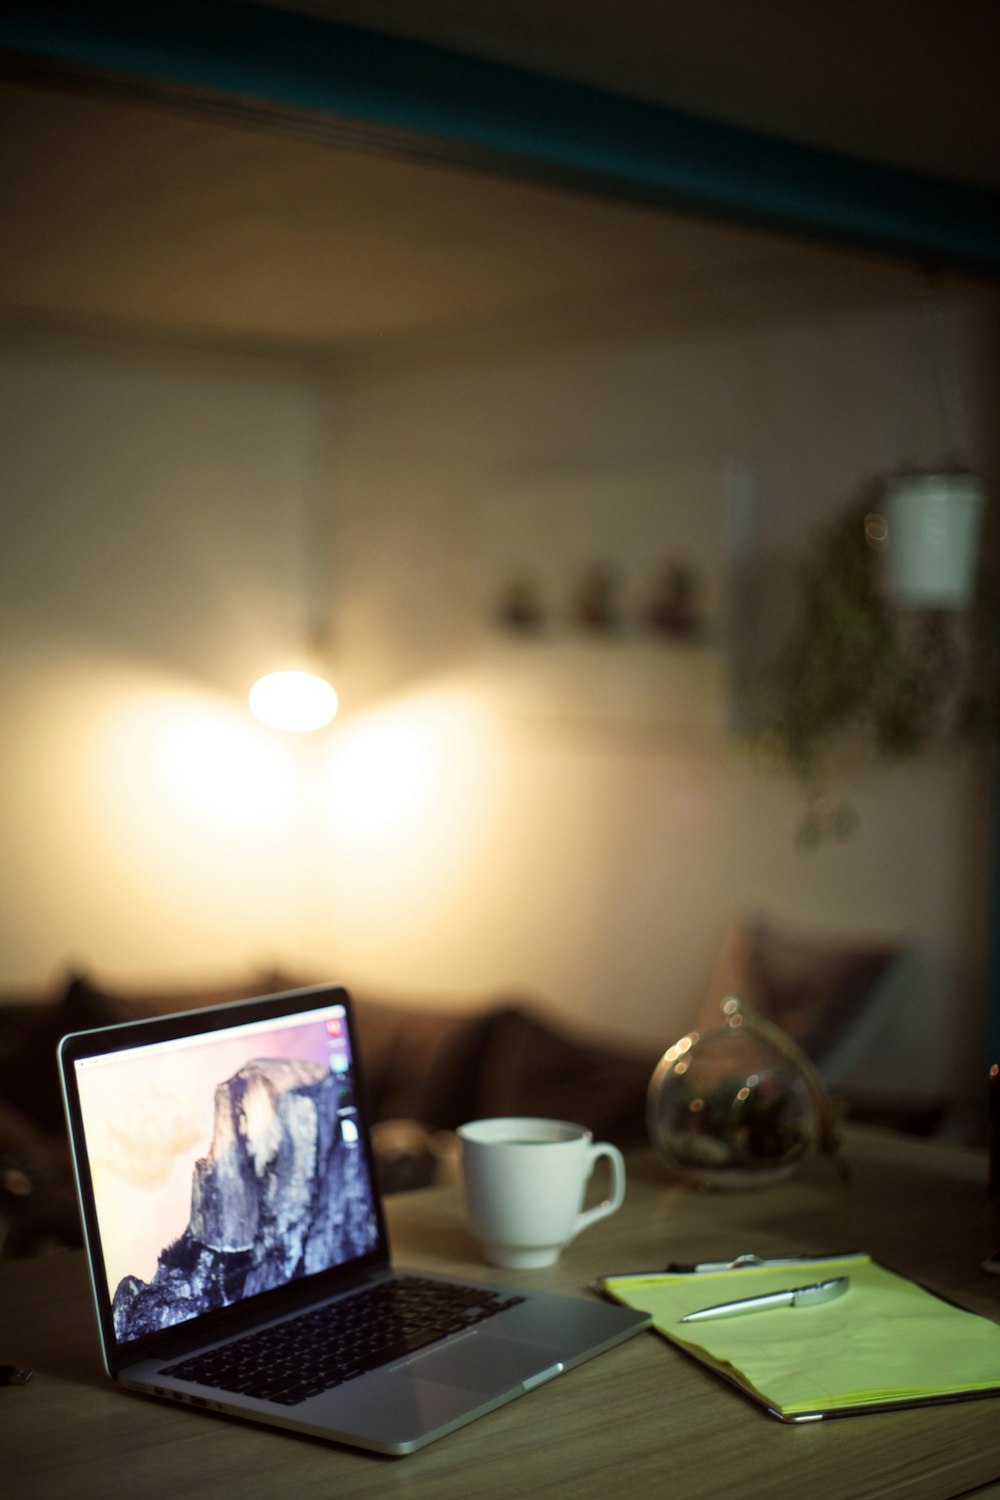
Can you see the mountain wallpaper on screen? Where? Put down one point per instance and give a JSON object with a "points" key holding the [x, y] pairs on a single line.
{"points": [[280, 1194]]}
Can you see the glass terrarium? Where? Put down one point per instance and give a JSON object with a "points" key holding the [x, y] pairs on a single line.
{"points": [[737, 1106]]}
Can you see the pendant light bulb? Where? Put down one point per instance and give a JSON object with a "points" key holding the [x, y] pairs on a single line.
{"points": [[294, 701]]}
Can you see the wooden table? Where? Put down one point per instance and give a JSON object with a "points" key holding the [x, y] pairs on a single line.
{"points": [[641, 1420]]}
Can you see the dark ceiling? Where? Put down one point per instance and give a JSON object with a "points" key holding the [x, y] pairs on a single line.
{"points": [[123, 214]]}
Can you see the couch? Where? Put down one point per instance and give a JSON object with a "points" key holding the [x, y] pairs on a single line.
{"points": [[427, 1069], [430, 1067]]}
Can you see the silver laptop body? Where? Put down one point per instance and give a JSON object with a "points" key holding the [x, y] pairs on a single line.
{"points": [[227, 1187]]}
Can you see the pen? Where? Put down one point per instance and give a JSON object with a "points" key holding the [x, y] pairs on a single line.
{"points": [[795, 1296]]}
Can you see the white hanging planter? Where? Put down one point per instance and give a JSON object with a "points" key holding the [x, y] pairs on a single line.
{"points": [[932, 545]]}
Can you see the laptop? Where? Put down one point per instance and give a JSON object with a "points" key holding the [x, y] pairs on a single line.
{"points": [[237, 1242]]}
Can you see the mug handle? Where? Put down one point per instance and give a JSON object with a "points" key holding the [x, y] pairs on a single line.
{"points": [[611, 1204]]}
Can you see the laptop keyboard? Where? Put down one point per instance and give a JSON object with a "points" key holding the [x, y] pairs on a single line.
{"points": [[317, 1350]]}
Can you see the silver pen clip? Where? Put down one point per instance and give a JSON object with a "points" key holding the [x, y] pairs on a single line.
{"points": [[796, 1296]]}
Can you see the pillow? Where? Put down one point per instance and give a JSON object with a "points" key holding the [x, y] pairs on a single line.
{"points": [[87, 1003], [30, 1032], [533, 1068], [443, 1067], [421, 1064], [828, 992]]}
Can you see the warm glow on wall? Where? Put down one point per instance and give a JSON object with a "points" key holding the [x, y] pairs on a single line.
{"points": [[191, 761], [221, 770], [166, 827], [409, 796], [383, 777], [406, 777]]}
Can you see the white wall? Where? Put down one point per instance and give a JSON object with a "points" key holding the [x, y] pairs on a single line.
{"points": [[599, 864], [434, 842], [153, 520]]}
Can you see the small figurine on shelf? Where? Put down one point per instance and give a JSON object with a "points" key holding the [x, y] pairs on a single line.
{"points": [[595, 604], [520, 609], [673, 610]]}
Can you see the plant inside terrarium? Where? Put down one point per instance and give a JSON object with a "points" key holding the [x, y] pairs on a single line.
{"points": [[750, 1119], [737, 1105]]}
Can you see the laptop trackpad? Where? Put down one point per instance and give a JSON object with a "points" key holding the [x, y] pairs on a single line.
{"points": [[480, 1362]]}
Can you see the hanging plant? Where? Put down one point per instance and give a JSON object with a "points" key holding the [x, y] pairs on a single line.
{"points": [[856, 667]]}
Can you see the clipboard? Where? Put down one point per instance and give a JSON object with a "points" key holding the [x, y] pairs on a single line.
{"points": [[889, 1343]]}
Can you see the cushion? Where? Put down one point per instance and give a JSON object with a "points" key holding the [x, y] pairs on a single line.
{"points": [[421, 1063], [533, 1067], [30, 1032], [424, 1062], [428, 1067], [828, 991], [89, 1003]]}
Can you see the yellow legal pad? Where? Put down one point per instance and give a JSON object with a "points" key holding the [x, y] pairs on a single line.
{"points": [[886, 1342]]}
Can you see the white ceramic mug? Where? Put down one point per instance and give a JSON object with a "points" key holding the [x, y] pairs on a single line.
{"points": [[525, 1179]]}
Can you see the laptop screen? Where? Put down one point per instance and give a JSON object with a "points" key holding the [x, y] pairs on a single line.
{"points": [[223, 1163]]}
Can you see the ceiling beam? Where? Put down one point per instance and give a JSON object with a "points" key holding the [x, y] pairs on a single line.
{"points": [[403, 95]]}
